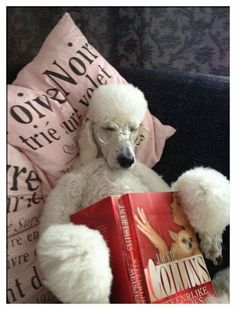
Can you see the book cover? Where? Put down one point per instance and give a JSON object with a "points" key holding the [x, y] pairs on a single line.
{"points": [[154, 253]]}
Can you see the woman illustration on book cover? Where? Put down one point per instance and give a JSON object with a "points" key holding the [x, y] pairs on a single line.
{"points": [[184, 242]]}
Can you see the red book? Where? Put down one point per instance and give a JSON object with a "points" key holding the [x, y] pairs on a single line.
{"points": [[155, 257]]}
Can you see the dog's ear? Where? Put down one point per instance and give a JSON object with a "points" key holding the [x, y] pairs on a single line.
{"points": [[87, 145], [173, 235]]}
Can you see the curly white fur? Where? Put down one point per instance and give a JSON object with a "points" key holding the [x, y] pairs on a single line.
{"points": [[221, 283], [204, 196], [75, 259], [75, 255], [120, 103]]}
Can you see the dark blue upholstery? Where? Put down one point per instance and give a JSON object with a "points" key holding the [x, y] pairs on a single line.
{"points": [[197, 106]]}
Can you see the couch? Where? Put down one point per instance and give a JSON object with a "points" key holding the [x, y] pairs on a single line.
{"points": [[197, 105]]}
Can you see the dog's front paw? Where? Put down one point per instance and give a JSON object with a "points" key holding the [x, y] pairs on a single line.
{"points": [[211, 248], [204, 194], [75, 263]]}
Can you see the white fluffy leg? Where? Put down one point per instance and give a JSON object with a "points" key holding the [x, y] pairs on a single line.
{"points": [[221, 299], [204, 194], [75, 263], [221, 284]]}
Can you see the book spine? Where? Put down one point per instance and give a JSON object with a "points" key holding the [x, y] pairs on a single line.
{"points": [[133, 262]]}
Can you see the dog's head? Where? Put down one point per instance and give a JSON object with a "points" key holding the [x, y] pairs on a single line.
{"points": [[113, 127], [183, 239]]}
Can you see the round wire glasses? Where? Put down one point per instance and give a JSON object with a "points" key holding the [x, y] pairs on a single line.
{"points": [[110, 132]]}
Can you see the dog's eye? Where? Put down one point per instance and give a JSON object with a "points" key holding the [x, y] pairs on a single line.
{"points": [[133, 129], [109, 128], [184, 240]]}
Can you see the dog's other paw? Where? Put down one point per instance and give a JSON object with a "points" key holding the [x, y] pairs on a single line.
{"points": [[222, 288], [211, 247], [219, 299], [204, 194], [75, 263]]}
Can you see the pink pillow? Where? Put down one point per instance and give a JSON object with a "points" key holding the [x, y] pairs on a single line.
{"points": [[25, 202], [46, 130], [46, 105], [68, 64]]}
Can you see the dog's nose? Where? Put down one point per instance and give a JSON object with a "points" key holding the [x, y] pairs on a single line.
{"points": [[125, 161]]}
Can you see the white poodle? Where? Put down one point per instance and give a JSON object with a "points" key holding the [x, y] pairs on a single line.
{"points": [[75, 259]]}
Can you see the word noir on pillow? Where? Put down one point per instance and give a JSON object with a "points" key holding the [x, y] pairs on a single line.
{"points": [[78, 66]]}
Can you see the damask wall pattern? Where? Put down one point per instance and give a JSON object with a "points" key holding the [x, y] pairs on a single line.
{"points": [[194, 39]]}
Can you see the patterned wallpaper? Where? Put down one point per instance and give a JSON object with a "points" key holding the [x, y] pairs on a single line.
{"points": [[183, 38], [193, 39]]}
